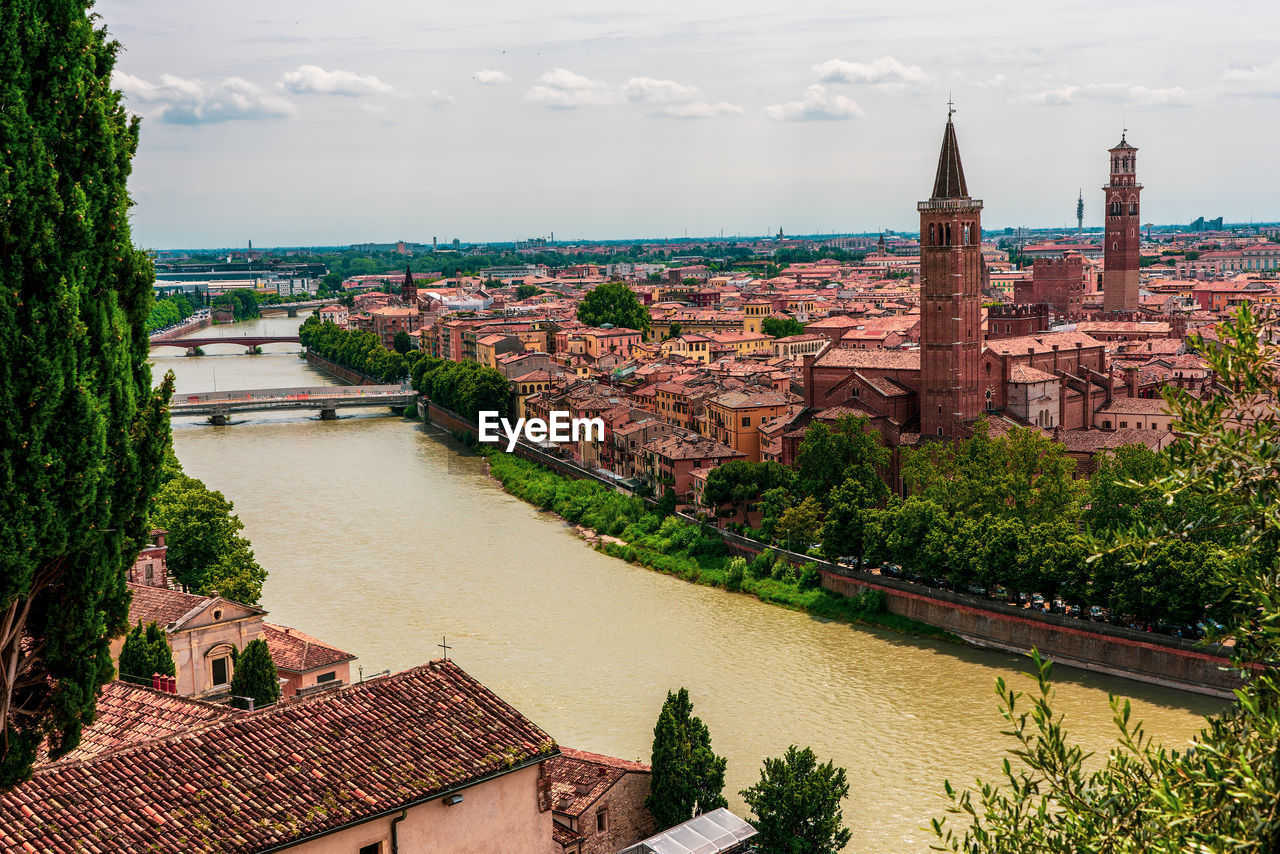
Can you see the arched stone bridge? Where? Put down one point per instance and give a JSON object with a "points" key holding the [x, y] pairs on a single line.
{"points": [[247, 341]]}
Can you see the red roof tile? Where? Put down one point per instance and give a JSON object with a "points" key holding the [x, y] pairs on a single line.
{"points": [[161, 605], [129, 714], [300, 653], [579, 778], [278, 776]]}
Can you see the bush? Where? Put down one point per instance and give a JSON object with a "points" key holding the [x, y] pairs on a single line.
{"points": [[737, 572], [809, 577], [761, 565], [782, 569]]}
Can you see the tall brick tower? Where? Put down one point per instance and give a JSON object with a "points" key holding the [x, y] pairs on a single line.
{"points": [[950, 300], [409, 289], [1120, 255]]}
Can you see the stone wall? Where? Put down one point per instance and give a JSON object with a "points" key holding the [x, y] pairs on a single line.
{"points": [[347, 375], [1099, 647], [626, 819]]}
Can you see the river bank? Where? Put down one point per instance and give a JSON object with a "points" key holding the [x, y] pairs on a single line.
{"points": [[621, 527]]}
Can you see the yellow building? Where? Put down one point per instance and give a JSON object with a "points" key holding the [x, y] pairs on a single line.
{"points": [[741, 344], [734, 418]]}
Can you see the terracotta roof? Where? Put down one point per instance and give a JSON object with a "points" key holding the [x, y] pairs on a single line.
{"points": [[161, 605], [1137, 406], [1092, 441], [1027, 374], [563, 836], [128, 714], [1042, 343], [899, 360], [579, 778], [300, 653], [740, 399], [278, 776]]}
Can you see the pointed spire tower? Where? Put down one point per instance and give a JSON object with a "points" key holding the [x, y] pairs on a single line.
{"points": [[950, 297], [408, 290]]}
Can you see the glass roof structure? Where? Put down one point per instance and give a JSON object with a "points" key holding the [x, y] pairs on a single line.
{"points": [[711, 833]]}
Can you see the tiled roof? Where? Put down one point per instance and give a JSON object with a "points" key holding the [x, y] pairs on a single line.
{"points": [[1092, 441], [161, 605], [1027, 374], [1042, 343], [299, 653], [563, 836], [280, 775], [1136, 406], [899, 360], [128, 714], [579, 778]]}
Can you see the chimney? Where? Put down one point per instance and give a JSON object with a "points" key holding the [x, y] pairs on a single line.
{"points": [[156, 682], [1131, 380]]}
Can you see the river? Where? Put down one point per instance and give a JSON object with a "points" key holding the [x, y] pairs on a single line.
{"points": [[381, 538]]}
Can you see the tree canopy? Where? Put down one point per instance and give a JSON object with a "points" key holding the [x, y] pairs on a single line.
{"points": [[613, 303], [255, 676], [780, 327], [206, 551], [1222, 793], [688, 777], [146, 651], [83, 430], [797, 804]]}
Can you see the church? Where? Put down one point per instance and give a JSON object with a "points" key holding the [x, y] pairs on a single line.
{"points": [[1055, 381]]}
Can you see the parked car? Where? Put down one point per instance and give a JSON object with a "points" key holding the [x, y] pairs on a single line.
{"points": [[977, 589], [1098, 614]]}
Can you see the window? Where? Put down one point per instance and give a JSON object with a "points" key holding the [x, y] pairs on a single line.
{"points": [[1124, 424], [1106, 424], [371, 848], [746, 421], [327, 677], [602, 820], [221, 669]]}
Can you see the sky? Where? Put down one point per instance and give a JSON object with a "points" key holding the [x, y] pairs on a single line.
{"points": [[328, 123]]}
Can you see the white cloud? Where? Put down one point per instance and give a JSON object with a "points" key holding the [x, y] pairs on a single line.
{"points": [[698, 110], [491, 77], [818, 104], [885, 71], [647, 90], [1263, 80], [436, 98], [1122, 93], [562, 89], [178, 100], [314, 80]]}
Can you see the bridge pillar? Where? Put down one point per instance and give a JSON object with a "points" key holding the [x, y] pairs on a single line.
{"points": [[291, 311], [218, 419], [193, 351], [328, 414]]}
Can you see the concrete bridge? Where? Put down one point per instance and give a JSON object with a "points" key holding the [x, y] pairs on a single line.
{"points": [[292, 308], [327, 399], [249, 342]]}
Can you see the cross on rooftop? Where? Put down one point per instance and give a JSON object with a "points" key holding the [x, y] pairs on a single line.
{"points": [[951, 107], [444, 644]]}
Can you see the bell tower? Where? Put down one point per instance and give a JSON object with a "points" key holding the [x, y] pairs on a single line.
{"points": [[409, 289], [950, 297], [1120, 254]]}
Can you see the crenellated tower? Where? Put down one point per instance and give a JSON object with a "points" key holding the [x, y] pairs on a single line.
{"points": [[950, 298], [1120, 254]]}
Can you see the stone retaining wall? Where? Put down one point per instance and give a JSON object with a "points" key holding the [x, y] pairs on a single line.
{"points": [[350, 376]]}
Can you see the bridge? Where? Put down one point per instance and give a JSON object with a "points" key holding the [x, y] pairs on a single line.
{"points": [[249, 342], [327, 399], [292, 308]]}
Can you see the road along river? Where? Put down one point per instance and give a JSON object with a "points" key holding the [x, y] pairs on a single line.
{"points": [[380, 537]]}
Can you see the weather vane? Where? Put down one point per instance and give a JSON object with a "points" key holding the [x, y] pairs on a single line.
{"points": [[951, 107]]}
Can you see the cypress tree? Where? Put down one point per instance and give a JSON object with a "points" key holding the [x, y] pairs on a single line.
{"points": [[146, 651], [688, 777], [81, 430], [255, 676]]}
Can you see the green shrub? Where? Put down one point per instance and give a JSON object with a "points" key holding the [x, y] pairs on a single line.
{"points": [[761, 565], [737, 572], [809, 577]]}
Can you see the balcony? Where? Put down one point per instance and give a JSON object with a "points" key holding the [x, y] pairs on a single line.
{"points": [[936, 205]]}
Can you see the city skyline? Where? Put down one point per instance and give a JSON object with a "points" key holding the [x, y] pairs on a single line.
{"points": [[325, 125]]}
